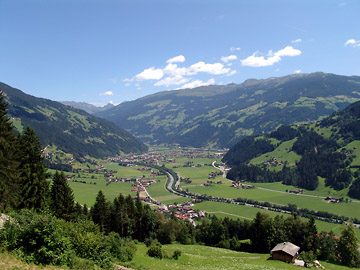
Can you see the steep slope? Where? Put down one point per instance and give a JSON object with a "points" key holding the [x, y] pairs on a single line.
{"points": [[89, 108], [72, 130], [220, 115], [299, 155]]}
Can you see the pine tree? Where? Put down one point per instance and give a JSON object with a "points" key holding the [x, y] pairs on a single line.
{"points": [[9, 173], [62, 198], [100, 213], [34, 188]]}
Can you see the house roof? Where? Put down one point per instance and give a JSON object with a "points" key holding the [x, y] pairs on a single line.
{"points": [[286, 247]]}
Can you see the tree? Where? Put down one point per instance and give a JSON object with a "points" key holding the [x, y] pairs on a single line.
{"points": [[348, 247], [100, 213], [62, 198], [9, 161], [262, 232], [34, 187]]}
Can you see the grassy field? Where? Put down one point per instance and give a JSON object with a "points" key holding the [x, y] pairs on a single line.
{"points": [[194, 257], [224, 190], [245, 212]]}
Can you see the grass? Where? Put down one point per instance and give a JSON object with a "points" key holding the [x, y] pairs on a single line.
{"points": [[245, 212], [195, 257]]}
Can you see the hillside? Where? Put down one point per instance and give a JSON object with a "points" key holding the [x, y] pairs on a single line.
{"points": [[302, 155], [219, 115], [89, 108], [71, 130]]}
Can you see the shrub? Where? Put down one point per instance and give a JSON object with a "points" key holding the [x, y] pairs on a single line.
{"points": [[177, 254], [155, 251]]}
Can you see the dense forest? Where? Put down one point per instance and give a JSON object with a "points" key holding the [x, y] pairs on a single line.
{"points": [[46, 226], [321, 156]]}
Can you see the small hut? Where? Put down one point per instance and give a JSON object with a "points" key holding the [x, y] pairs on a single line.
{"points": [[285, 251]]}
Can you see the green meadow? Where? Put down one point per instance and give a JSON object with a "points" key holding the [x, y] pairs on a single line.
{"points": [[195, 257]]}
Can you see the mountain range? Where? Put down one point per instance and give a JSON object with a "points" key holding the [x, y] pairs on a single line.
{"points": [[89, 108], [71, 130], [220, 115]]}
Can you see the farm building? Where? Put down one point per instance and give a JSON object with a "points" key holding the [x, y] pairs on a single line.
{"points": [[285, 251]]}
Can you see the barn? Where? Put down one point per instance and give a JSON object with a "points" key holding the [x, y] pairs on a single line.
{"points": [[285, 251]]}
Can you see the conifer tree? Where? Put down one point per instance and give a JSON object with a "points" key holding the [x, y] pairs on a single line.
{"points": [[34, 186], [100, 213], [348, 247], [62, 198], [9, 173]]}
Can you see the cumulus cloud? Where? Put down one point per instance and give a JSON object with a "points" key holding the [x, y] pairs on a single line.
{"points": [[197, 83], [352, 42], [216, 68], [233, 72], [296, 40], [107, 93], [260, 61], [176, 59], [150, 74], [229, 58], [176, 80], [298, 71]]}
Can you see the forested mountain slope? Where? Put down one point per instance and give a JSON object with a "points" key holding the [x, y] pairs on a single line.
{"points": [[299, 155], [71, 130], [219, 115], [89, 108]]}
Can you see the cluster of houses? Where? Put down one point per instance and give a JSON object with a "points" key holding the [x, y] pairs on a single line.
{"points": [[333, 200], [238, 185], [213, 175], [141, 184], [273, 162], [299, 191], [183, 211]]}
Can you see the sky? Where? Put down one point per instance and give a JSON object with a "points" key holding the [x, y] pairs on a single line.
{"points": [[101, 51]]}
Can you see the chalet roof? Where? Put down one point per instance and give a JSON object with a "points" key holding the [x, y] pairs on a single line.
{"points": [[286, 247]]}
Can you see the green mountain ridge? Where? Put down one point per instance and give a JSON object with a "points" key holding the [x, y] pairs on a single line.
{"points": [[298, 155], [89, 108], [71, 130], [219, 115]]}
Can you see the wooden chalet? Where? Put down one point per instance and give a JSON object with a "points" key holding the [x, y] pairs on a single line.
{"points": [[285, 251]]}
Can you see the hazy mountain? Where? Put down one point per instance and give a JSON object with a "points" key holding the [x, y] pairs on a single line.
{"points": [[219, 115], [72, 130], [89, 108]]}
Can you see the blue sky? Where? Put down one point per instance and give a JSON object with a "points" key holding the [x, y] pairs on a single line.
{"points": [[101, 51]]}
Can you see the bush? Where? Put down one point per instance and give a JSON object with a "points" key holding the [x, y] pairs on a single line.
{"points": [[155, 251], [38, 238], [177, 254]]}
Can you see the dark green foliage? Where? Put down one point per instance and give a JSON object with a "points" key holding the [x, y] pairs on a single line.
{"points": [[348, 247], [354, 190], [247, 149], [308, 257], [34, 187], [9, 160], [284, 133], [327, 242], [71, 130], [100, 212], [155, 250], [40, 238], [62, 198], [177, 254]]}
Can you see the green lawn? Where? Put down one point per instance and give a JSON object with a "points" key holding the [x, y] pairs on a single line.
{"points": [[195, 257]]}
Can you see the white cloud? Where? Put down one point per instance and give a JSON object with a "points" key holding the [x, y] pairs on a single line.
{"points": [[176, 80], [216, 68], [229, 58], [261, 61], [107, 93], [298, 71], [352, 42], [176, 59], [150, 74], [296, 40], [197, 83], [235, 49], [173, 70], [233, 72]]}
